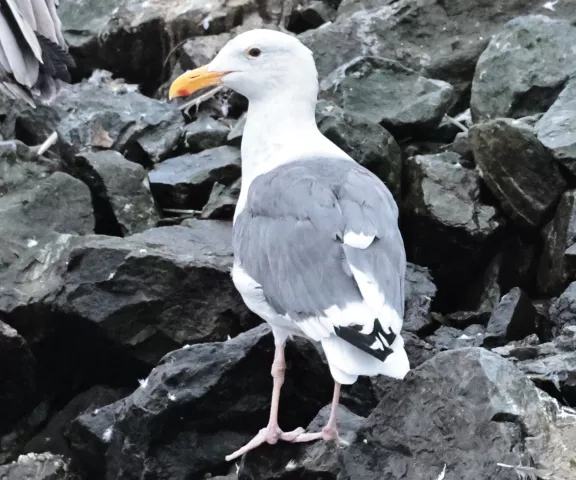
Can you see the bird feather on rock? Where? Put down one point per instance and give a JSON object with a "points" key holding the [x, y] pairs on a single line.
{"points": [[33, 53], [318, 252]]}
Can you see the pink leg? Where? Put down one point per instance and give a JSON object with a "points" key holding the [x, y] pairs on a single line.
{"points": [[330, 431], [272, 433]]}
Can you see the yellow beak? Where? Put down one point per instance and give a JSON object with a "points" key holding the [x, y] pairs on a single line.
{"points": [[193, 80]]}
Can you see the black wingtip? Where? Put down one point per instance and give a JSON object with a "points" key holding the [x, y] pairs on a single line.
{"points": [[364, 341]]}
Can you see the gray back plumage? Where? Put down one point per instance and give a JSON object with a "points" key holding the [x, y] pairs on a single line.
{"points": [[33, 53], [290, 236]]}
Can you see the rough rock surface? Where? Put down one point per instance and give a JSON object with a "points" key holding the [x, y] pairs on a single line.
{"points": [[524, 68], [185, 182], [222, 201], [517, 169], [385, 92], [43, 466], [563, 310], [420, 293], [120, 191]]}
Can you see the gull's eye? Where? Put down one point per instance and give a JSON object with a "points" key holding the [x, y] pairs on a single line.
{"points": [[254, 52]]}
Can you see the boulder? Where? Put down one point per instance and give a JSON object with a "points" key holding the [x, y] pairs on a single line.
{"points": [[517, 169], [467, 422], [205, 133], [385, 92], [222, 201], [556, 129], [43, 466], [120, 191], [449, 338], [524, 68], [203, 402], [371, 145], [185, 182]]}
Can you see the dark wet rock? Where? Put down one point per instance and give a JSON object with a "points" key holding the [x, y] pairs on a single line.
{"points": [[311, 460], [120, 191], [42, 466], [19, 386], [385, 92], [552, 365], [558, 261], [517, 169], [563, 309], [222, 201], [209, 399], [205, 133], [30, 216], [556, 129], [185, 182], [513, 319], [371, 145], [449, 338], [89, 436], [311, 14], [443, 199], [104, 114], [52, 438], [524, 68], [438, 427], [96, 29], [420, 292]]}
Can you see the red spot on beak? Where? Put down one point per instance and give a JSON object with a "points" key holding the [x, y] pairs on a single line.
{"points": [[183, 92]]}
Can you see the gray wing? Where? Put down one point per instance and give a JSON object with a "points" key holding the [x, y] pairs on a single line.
{"points": [[321, 239], [33, 54]]}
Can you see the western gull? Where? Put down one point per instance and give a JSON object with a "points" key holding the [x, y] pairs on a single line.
{"points": [[317, 249]]}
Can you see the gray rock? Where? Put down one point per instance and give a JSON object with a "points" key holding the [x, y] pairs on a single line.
{"points": [[211, 398], [385, 92], [200, 50], [513, 319], [19, 389], [310, 460], [222, 201], [120, 191], [30, 216], [551, 366], [205, 133], [43, 466], [556, 129], [442, 198], [524, 68], [368, 143], [558, 261], [563, 309], [420, 292], [104, 114], [311, 14], [185, 182], [448, 338], [517, 169], [463, 320], [437, 428]]}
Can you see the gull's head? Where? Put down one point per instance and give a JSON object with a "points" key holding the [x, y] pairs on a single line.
{"points": [[257, 64]]}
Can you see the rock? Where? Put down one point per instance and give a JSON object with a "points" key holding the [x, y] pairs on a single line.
{"points": [[448, 338], [185, 182], [430, 422], [120, 191], [443, 199], [19, 389], [385, 92], [309, 460], [366, 142], [311, 14], [552, 365], [95, 30], [462, 320], [514, 318], [43, 466], [200, 50], [558, 261], [420, 292], [517, 169], [556, 128], [30, 216], [461, 146], [563, 309], [89, 436], [523, 69], [214, 396], [205, 133], [101, 113], [52, 438], [222, 201]]}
